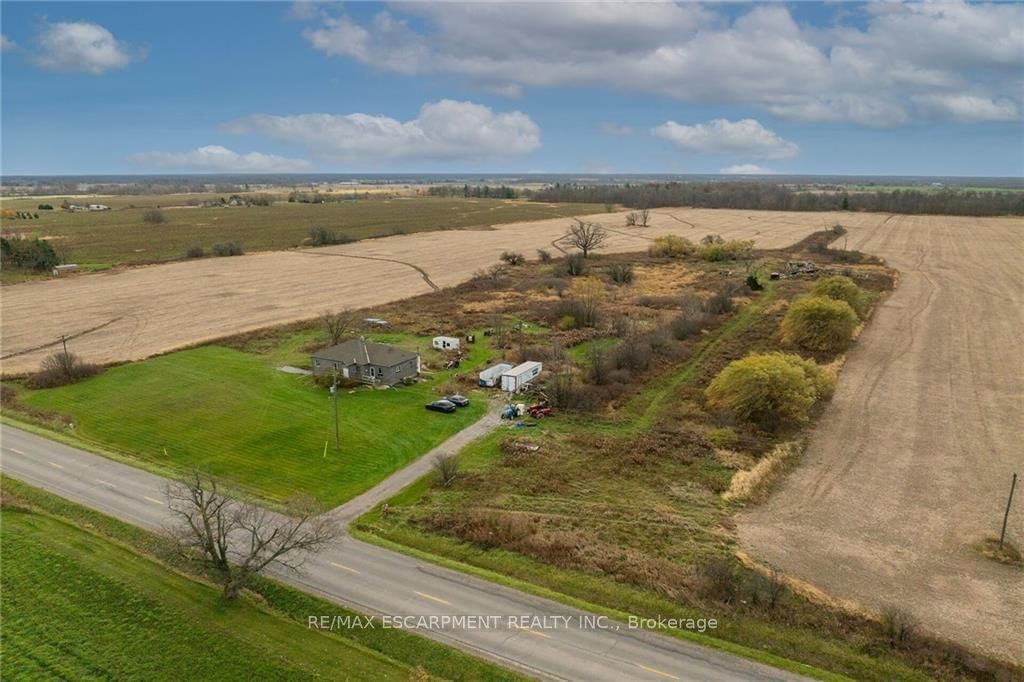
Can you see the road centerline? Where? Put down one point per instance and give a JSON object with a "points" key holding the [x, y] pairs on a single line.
{"points": [[433, 598]]}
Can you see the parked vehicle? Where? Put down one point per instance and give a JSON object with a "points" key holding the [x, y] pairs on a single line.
{"points": [[458, 400], [445, 406]]}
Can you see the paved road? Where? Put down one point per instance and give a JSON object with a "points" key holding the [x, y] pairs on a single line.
{"points": [[375, 581]]}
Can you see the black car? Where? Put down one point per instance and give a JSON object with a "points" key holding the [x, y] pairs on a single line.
{"points": [[441, 406], [458, 400]]}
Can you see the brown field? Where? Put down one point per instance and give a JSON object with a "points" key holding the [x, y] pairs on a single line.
{"points": [[131, 314], [911, 463]]}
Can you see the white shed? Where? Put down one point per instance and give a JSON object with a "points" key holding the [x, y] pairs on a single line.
{"points": [[446, 343], [491, 376], [520, 376]]}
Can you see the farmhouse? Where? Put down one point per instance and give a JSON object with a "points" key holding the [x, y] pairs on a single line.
{"points": [[366, 361]]}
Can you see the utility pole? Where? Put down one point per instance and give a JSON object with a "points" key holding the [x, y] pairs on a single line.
{"points": [[1006, 515], [64, 340], [334, 397]]}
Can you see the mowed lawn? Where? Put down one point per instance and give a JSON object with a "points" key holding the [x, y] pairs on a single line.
{"points": [[232, 414], [77, 606]]}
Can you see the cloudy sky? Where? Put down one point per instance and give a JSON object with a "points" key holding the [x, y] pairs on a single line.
{"points": [[803, 88]]}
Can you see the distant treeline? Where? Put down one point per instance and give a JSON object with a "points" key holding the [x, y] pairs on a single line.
{"points": [[474, 191], [766, 197]]}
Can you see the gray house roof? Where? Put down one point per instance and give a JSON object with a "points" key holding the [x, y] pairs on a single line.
{"points": [[363, 352]]}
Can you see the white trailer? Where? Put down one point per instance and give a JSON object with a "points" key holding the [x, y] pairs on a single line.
{"points": [[491, 377], [520, 376], [446, 343]]}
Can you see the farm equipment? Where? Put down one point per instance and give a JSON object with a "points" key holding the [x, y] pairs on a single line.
{"points": [[540, 411]]}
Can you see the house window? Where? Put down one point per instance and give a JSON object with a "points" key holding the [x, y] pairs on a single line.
{"points": [[380, 371]]}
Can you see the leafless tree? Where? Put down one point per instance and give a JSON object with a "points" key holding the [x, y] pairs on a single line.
{"points": [[339, 324], [239, 539], [645, 216], [586, 237], [631, 218]]}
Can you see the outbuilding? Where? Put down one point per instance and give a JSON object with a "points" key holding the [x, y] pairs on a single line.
{"points": [[520, 376], [446, 343], [491, 377]]}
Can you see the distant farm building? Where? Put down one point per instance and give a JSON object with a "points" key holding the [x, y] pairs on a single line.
{"points": [[65, 269], [367, 361], [445, 343]]}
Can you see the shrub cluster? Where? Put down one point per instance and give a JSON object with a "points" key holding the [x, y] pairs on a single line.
{"points": [[319, 236], [513, 258], [195, 251], [154, 216], [575, 264], [31, 254], [621, 273], [232, 248], [842, 288], [61, 369], [819, 323], [671, 246], [769, 389]]}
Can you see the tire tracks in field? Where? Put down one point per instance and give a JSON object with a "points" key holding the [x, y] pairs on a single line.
{"points": [[69, 337], [423, 273]]}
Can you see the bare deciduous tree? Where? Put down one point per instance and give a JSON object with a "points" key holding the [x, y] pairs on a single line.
{"points": [[338, 325], [586, 237], [645, 216], [239, 539]]}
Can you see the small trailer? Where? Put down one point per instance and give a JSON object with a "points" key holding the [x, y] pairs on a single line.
{"points": [[491, 377], [446, 343], [520, 376]]}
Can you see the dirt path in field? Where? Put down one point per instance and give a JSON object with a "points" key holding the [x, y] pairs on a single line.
{"points": [[911, 464], [159, 308]]}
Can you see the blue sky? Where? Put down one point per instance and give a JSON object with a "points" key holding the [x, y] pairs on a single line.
{"points": [[837, 88]]}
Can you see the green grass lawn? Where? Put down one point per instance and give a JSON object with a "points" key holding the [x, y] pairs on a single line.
{"points": [[232, 414], [89, 597], [77, 606], [121, 236]]}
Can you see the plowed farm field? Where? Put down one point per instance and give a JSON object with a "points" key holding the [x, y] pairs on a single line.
{"points": [[911, 465], [134, 313]]}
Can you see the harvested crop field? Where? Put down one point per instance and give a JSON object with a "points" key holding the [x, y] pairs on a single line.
{"points": [[910, 466], [135, 313]]}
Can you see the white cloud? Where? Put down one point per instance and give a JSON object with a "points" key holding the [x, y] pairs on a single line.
{"points": [[615, 129], [444, 130], [746, 169], [217, 159], [6, 43], [82, 46], [969, 107], [874, 73], [720, 135]]}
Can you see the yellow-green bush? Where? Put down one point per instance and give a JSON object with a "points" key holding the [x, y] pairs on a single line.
{"points": [[672, 246], [843, 289], [731, 250], [819, 323], [769, 389]]}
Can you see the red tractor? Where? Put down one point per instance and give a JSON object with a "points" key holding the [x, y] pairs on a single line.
{"points": [[539, 411]]}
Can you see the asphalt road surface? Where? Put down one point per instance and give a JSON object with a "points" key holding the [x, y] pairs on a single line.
{"points": [[379, 582]]}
